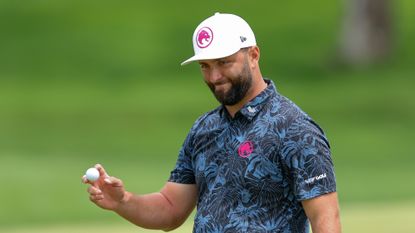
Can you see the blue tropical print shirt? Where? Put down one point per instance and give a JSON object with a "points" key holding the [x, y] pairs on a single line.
{"points": [[252, 171]]}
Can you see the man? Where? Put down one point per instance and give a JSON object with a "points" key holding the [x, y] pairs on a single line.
{"points": [[257, 163]]}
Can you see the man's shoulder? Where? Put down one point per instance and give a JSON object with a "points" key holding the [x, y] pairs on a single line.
{"points": [[292, 118], [285, 110]]}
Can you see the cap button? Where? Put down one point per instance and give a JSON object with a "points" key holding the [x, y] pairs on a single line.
{"points": [[217, 13]]}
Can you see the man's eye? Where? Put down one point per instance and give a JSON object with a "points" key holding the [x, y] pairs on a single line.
{"points": [[223, 62]]}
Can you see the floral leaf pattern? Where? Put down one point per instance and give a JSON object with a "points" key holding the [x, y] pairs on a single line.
{"points": [[288, 160]]}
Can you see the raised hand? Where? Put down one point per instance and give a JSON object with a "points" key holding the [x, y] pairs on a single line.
{"points": [[107, 192]]}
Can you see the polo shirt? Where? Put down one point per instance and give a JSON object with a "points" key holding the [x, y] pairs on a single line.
{"points": [[252, 171]]}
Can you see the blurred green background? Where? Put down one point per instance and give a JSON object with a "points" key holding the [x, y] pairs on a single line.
{"points": [[85, 82]]}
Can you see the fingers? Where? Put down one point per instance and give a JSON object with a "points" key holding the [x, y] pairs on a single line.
{"points": [[103, 188], [95, 194], [94, 190], [102, 172], [107, 180], [113, 181], [84, 179], [96, 197]]}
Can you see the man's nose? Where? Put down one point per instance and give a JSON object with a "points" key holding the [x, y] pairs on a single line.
{"points": [[215, 75]]}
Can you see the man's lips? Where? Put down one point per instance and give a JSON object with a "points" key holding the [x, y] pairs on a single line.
{"points": [[222, 85]]}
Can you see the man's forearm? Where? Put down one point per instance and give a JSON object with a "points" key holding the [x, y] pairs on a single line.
{"points": [[323, 213], [326, 224], [152, 211]]}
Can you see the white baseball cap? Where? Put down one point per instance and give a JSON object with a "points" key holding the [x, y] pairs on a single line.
{"points": [[220, 35]]}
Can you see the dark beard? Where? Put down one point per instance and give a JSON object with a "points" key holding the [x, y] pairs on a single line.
{"points": [[240, 86]]}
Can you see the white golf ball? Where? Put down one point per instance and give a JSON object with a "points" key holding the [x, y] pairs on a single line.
{"points": [[92, 174]]}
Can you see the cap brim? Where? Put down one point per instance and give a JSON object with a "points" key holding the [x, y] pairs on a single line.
{"points": [[207, 56], [190, 60]]}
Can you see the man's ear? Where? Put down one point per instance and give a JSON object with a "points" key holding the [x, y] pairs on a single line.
{"points": [[254, 55]]}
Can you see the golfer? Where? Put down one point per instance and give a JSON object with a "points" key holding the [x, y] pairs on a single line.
{"points": [[257, 163]]}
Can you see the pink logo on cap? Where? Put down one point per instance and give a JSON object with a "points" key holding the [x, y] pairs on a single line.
{"points": [[246, 149], [204, 37]]}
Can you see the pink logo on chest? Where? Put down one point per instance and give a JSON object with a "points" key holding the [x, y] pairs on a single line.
{"points": [[246, 149]]}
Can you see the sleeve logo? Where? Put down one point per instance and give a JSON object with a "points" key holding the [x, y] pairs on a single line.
{"points": [[316, 178]]}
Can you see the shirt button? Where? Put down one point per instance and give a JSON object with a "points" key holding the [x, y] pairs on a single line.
{"points": [[250, 109]]}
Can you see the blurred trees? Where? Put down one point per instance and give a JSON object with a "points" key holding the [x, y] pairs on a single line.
{"points": [[367, 32]]}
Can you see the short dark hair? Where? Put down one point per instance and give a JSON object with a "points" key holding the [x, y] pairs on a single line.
{"points": [[245, 49]]}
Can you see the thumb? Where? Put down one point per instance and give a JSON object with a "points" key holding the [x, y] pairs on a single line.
{"points": [[102, 172]]}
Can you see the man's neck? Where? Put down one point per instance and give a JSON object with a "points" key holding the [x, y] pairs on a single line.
{"points": [[255, 90]]}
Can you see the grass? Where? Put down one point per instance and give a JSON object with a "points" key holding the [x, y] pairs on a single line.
{"points": [[49, 139], [356, 218]]}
